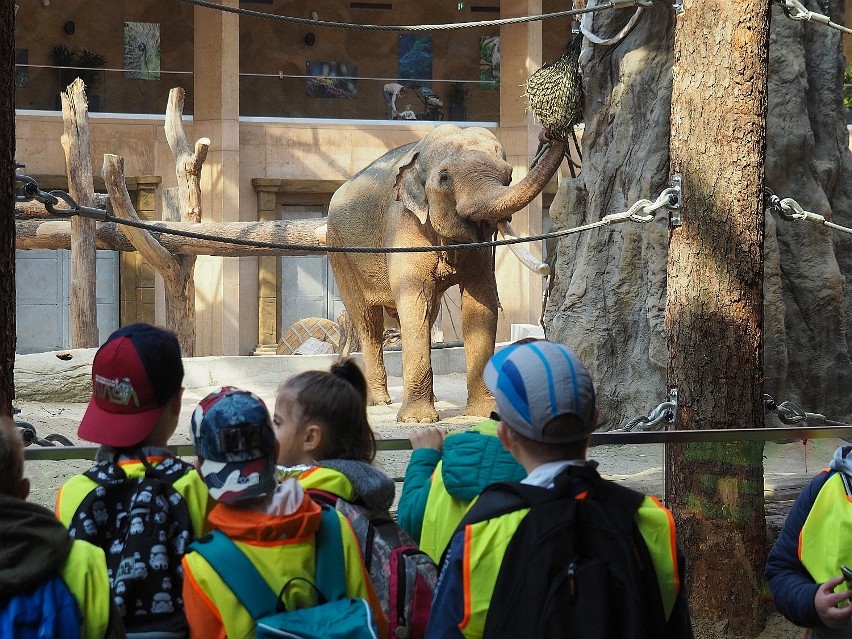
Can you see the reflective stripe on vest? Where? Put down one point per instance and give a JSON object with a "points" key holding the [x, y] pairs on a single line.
{"points": [[441, 517], [657, 528], [824, 539], [485, 544]]}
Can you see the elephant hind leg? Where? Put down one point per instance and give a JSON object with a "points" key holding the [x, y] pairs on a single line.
{"points": [[371, 328]]}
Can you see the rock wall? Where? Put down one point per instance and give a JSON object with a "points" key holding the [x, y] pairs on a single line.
{"points": [[608, 291]]}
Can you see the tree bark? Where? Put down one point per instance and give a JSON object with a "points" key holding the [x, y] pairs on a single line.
{"points": [[78, 162], [7, 220], [714, 310], [180, 289], [56, 234]]}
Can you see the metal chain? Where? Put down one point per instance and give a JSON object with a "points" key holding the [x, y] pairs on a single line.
{"points": [[663, 412], [642, 211], [611, 4], [795, 10], [790, 414]]}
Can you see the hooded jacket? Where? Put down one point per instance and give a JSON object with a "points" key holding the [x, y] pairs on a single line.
{"points": [[792, 584], [276, 533], [34, 546], [440, 487], [355, 481]]}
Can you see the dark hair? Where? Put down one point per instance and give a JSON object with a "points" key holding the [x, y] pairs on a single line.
{"points": [[560, 426], [11, 456], [337, 400]]}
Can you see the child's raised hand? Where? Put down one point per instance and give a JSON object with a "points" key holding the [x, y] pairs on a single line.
{"points": [[429, 437], [826, 601]]}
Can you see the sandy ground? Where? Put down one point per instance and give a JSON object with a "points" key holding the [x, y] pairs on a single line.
{"points": [[788, 465]]}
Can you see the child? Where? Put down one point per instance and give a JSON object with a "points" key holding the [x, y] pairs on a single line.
{"points": [[39, 562], [137, 485], [272, 523], [321, 421]]}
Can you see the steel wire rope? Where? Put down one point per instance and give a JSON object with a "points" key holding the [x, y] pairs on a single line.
{"points": [[642, 211], [611, 4], [795, 10]]}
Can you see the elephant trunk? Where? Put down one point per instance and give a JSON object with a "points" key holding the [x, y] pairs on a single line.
{"points": [[511, 199]]}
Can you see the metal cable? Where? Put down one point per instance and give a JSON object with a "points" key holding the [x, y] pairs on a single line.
{"points": [[611, 4], [795, 10], [791, 210], [642, 211], [586, 28]]}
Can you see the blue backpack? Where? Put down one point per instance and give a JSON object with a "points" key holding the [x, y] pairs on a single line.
{"points": [[47, 610], [335, 616]]}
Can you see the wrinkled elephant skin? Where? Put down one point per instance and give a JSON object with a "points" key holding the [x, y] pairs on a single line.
{"points": [[451, 187]]}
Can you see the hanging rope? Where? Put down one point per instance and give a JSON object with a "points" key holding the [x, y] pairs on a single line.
{"points": [[586, 22], [610, 4]]}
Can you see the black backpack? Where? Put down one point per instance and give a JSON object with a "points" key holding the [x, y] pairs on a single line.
{"points": [[144, 527], [575, 567]]}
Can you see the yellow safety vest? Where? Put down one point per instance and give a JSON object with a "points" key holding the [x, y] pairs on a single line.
{"points": [[85, 574], [485, 544], [328, 480], [824, 541], [277, 563], [443, 512]]}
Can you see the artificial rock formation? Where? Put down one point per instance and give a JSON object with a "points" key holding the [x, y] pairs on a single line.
{"points": [[608, 289]]}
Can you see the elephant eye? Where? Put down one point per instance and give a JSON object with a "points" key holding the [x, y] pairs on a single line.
{"points": [[444, 178]]}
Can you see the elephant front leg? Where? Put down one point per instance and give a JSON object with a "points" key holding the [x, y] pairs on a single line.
{"points": [[415, 322], [479, 325]]}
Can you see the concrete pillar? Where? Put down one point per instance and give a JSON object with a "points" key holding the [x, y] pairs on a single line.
{"points": [[216, 112], [519, 288], [268, 270]]}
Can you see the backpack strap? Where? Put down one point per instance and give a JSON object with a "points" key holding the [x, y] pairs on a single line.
{"points": [[249, 586], [331, 569], [238, 573]]}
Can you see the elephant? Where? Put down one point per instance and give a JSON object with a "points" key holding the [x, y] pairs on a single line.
{"points": [[451, 187]]}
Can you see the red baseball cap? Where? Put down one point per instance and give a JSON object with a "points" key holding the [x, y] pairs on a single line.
{"points": [[134, 374]]}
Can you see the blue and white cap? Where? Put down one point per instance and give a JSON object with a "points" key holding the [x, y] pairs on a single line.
{"points": [[537, 381]]}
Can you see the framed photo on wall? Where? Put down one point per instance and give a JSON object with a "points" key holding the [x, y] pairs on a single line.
{"points": [[142, 50]]}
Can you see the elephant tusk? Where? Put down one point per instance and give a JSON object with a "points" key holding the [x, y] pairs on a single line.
{"points": [[320, 233], [527, 259]]}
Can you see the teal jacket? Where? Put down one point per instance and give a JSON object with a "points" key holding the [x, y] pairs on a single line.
{"points": [[470, 461]]}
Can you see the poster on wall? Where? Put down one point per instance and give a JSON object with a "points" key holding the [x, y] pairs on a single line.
{"points": [[330, 79], [142, 50], [22, 73], [489, 62], [415, 59]]}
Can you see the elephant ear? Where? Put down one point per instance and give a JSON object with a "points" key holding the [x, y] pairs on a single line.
{"points": [[410, 189]]}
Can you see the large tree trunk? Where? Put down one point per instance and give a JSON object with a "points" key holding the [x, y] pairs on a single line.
{"points": [[714, 306], [609, 285], [7, 219], [78, 164]]}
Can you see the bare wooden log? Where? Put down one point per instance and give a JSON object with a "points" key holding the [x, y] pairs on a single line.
{"points": [[180, 292], [78, 162], [35, 210], [187, 162], [56, 234]]}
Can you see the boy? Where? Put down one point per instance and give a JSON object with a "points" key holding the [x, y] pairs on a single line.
{"points": [[137, 484], [273, 524], [546, 404], [35, 548], [803, 567]]}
